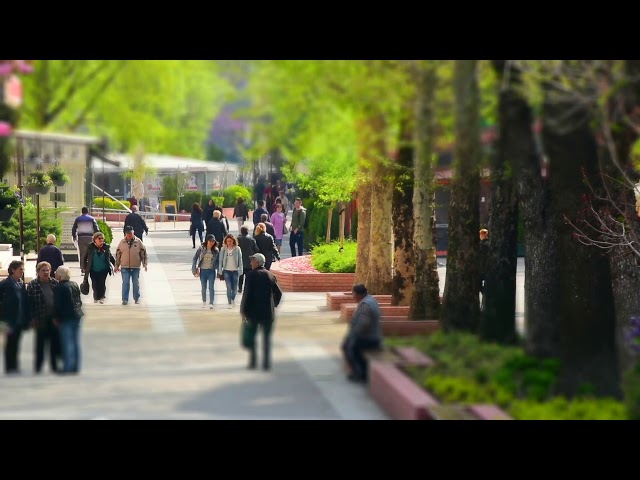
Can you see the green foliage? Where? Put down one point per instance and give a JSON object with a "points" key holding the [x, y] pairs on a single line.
{"points": [[232, 193], [9, 196], [220, 201], [189, 198], [468, 370], [38, 179], [98, 202], [58, 173], [559, 408], [631, 388], [169, 190], [327, 258], [10, 231], [106, 230]]}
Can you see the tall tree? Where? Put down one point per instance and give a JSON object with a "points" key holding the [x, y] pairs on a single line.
{"points": [[425, 303], [460, 309], [498, 316]]}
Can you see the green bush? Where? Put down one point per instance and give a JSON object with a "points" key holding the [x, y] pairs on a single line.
{"points": [[559, 408], [106, 230], [10, 231], [631, 388], [232, 193], [327, 258], [189, 198], [220, 200]]}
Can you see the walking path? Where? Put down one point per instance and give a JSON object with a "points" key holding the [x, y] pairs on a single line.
{"points": [[167, 358]]}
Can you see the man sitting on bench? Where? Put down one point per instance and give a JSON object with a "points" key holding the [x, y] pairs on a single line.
{"points": [[365, 333]]}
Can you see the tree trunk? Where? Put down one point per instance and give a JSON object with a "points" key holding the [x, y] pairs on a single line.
{"points": [[460, 309], [364, 204], [586, 317], [425, 303], [329, 216], [402, 215], [498, 316]]}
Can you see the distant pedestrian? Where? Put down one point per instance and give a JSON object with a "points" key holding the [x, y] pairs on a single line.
{"points": [[135, 220], [51, 253], [230, 266], [40, 296], [266, 245], [68, 316], [264, 219], [365, 332], [223, 218], [98, 262], [131, 255], [279, 222], [208, 211], [240, 212], [261, 296], [197, 224], [204, 266], [217, 228], [298, 219], [82, 232], [257, 214], [248, 247], [14, 311]]}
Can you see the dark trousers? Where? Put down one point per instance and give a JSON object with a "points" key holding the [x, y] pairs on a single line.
{"points": [[193, 235], [267, 264], [295, 239], [241, 279], [99, 284], [353, 348], [12, 351], [47, 334], [266, 328]]}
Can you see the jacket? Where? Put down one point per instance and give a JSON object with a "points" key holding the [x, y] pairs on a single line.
{"points": [[267, 246], [261, 296], [11, 293], [52, 254], [365, 321], [241, 211], [136, 221], [217, 228], [131, 255], [37, 305], [223, 258], [85, 226], [249, 247], [199, 256], [67, 304], [87, 260]]}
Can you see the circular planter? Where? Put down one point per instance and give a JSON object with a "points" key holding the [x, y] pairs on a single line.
{"points": [[6, 214], [36, 189], [59, 183]]}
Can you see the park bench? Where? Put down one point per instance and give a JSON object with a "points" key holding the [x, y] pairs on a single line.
{"points": [[347, 309], [336, 299]]}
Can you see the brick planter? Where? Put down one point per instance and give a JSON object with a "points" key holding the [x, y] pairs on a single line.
{"points": [[313, 282]]}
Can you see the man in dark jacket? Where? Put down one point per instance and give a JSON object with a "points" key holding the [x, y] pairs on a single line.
{"points": [[135, 220], [14, 314], [51, 254], [257, 215], [217, 228], [261, 296], [208, 211], [264, 218], [248, 247]]}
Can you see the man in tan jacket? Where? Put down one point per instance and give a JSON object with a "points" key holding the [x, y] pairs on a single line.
{"points": [[130, 256]]}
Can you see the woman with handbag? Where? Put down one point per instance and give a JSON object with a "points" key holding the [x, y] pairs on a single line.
{"points": [[99, 262], [204, 266]]}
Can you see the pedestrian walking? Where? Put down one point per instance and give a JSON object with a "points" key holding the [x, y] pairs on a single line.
{"points": [[131, 255], [279, 222], [138, 223], [204, 265], [197, 224], [261, 296], [230, 265], [99, 262], [82, 232], [298, 219], [14, 315], [240, 212], [266, 245], [51, 253], [248, 247]]}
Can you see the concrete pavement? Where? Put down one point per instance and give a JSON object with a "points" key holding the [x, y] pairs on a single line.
{"points": [[168, 358]]}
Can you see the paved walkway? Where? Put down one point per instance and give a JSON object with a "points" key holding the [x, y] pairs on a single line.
{"points": [[167, 358]]}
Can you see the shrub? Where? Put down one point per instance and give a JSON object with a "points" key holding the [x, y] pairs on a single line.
{"points": [[232, 193], [10, 230], [327, 258], [106, 230], [559, 408], [189, 198]]}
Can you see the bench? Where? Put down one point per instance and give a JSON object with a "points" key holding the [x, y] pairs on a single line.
{"points": [[397, 394], [488, 412], [347, 309], [336, 299]]}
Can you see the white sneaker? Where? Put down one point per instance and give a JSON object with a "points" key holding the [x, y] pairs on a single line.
{"points": [[230, 307], [102, 300], [211, 306], [204, 304], [95, 301]]}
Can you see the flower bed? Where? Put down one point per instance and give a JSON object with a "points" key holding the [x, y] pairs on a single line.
{"points": [[296, 274]]}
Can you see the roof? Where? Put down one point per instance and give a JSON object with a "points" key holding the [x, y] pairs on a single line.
{"points": [[59, 137], [165, 162]]}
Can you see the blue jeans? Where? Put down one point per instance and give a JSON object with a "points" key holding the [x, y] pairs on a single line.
{"points": [[296, 239], [231, 279], [70, 341], [133, 274], [207, 275]]}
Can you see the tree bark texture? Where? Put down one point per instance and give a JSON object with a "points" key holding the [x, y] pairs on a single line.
{"points": [[586, 318], [497, 321], [425, 303], [402, 215], [460, 309]]}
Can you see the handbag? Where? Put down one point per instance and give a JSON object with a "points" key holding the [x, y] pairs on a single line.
{"points": [[84, 286], [248, 334]]}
